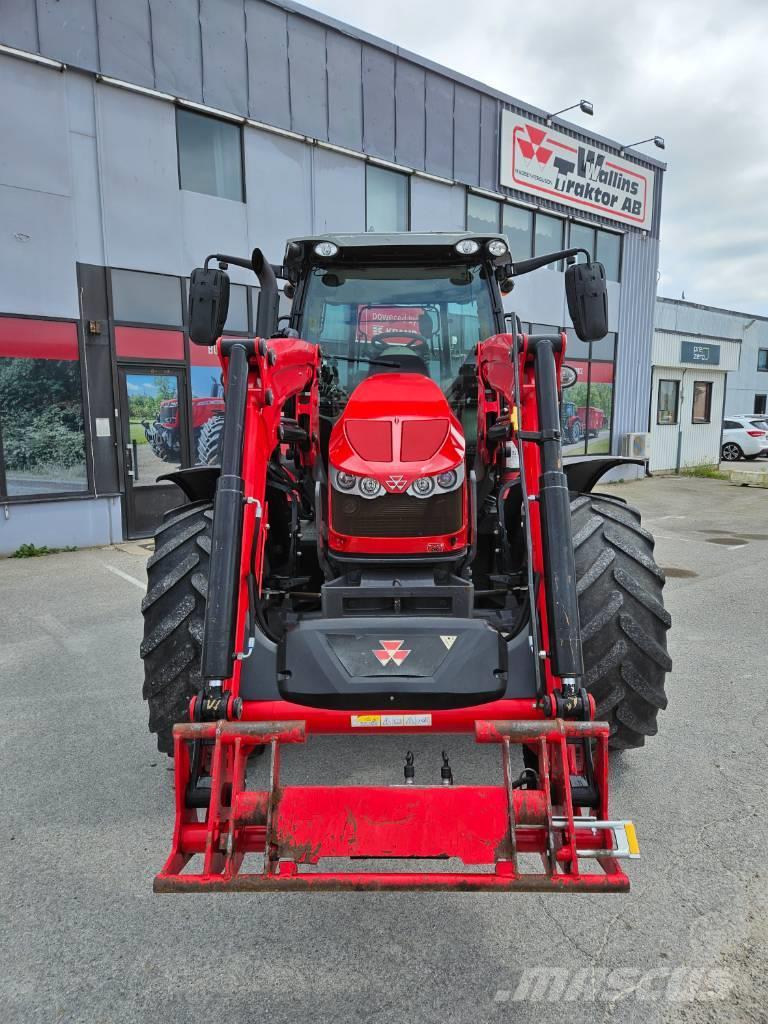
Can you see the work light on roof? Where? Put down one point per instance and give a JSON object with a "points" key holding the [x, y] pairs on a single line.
{"points": [[496, 247], [326, 249], [467, 247]]}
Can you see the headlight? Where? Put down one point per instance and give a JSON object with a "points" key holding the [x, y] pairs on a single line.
{"points": [[448, 480], [326, 249], [496, 247], [467, 246], [423, 487], [369, 487], [345, 481]]}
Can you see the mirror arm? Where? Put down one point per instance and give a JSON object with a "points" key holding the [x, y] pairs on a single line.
{"points": [[526, 266]]}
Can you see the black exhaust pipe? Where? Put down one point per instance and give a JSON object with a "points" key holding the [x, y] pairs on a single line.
{"points": [[269, 297]]}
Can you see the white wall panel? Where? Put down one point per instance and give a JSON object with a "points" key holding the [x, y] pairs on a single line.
{"points": [[339, 192], [436, 207], [37, 245], [33, 127], [278, 189], [210, 225], [140, 183]]}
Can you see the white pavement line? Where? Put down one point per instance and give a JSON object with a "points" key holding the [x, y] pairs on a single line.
{"points": [[125, 576]]}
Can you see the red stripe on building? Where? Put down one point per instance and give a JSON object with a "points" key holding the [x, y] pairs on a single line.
{"points": [[148, 343], [201, 355], [37, 339]]}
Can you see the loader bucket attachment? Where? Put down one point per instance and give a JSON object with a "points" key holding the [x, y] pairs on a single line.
{"points": [[483, 828]]}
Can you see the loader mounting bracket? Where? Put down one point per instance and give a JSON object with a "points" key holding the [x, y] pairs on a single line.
{"points": [[484, 828]]}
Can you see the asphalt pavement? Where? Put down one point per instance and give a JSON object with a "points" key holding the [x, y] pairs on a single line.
{"points": [[88, 817]]}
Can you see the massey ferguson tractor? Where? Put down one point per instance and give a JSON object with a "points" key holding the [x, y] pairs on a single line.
{"points": [[164, 435], [392, 545]]}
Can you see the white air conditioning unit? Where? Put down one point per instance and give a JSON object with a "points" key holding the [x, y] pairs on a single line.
{"points": [[636, 446]]}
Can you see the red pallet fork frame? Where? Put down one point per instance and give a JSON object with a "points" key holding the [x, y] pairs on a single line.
{"points": [[485, 827]]}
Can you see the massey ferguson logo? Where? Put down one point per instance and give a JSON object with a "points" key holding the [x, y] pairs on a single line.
{"points": [[391, 650], [531, 146], [546, 162], [396, 483]]}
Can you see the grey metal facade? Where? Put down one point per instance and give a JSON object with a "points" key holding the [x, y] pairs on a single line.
{"points": [[91, 177]]}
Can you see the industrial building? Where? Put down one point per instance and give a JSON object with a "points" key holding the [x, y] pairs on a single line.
{"points": [[141, 140], [708, 363]]}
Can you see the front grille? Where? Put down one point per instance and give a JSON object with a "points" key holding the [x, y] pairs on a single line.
{"points": [[396, 515]]}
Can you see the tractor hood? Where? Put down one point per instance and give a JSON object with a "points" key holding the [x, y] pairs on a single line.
{"points": [[397, 427]]}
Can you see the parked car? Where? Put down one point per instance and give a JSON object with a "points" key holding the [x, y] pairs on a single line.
{"points": [[744, 437]]}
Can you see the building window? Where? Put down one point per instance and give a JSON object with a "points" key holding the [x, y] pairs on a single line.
{"points": [[42, 431], [139, 298], [386, 200], [702, 401], [237, 314], [762, 359], [608, 252], [669, 393], [582, 236], [517, 225], [482, 214], [760, 404], [586, 409], [603, 246], [548, 237], [210, 155]]}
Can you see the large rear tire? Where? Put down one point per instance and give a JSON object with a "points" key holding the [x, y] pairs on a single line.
{"points": [[623, 620], [209, 442], [174, 614]]}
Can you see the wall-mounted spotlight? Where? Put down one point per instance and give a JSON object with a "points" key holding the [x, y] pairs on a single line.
{"points": [[584, 106]]}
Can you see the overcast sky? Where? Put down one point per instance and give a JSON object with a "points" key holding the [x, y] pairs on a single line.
{"points": [[693, 71]]}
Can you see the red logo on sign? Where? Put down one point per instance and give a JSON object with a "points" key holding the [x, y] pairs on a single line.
{"points": [[391, 650], [532, 148]]}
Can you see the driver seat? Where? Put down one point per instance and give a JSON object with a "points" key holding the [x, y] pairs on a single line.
{"points": [[398, 361]]}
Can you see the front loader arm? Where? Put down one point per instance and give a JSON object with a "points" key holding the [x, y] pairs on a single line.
{"points": [[260, 378]]}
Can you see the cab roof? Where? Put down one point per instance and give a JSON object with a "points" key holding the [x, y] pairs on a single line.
{"points": [[367, 246]]}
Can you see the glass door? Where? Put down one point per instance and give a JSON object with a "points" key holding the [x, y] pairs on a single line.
{"points": [[153, 415]]}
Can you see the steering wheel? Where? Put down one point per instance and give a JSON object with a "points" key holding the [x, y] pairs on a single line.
{"points": [[406, 339]]}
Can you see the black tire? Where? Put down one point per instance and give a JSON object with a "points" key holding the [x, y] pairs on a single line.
{"points": [[576, 432], [209, 442], [174, 613], [731, 452], [623, 620]]}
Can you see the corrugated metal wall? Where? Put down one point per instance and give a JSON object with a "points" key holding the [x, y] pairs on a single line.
{"points": [[640, 261]]}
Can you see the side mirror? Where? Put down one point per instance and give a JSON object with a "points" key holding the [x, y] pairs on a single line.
{"points": [[208, 305], [587, 295]]}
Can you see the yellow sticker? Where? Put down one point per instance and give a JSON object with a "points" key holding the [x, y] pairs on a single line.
{"points": [[365, 721]]}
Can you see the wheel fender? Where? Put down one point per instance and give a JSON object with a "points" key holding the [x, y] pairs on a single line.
{"points": [[197, 483], [584, 471]]}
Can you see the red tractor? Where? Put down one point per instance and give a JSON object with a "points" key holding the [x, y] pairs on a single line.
{"points": [[164, 435], [392, 545], [581, 421]]}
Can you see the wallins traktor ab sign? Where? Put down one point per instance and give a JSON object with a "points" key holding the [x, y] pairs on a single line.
{"points": [[543, 162]]}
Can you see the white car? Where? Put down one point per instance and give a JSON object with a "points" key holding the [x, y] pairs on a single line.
{"points": [[744, 437]]}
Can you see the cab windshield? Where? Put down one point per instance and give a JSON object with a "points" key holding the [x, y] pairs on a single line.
{"points": [[404, 319]]}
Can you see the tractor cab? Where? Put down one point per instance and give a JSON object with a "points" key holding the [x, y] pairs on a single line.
{"points": [[398, 303], [398, 319]]}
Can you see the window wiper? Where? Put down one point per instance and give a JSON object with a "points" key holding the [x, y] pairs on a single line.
{"points": [[361, 359]]}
